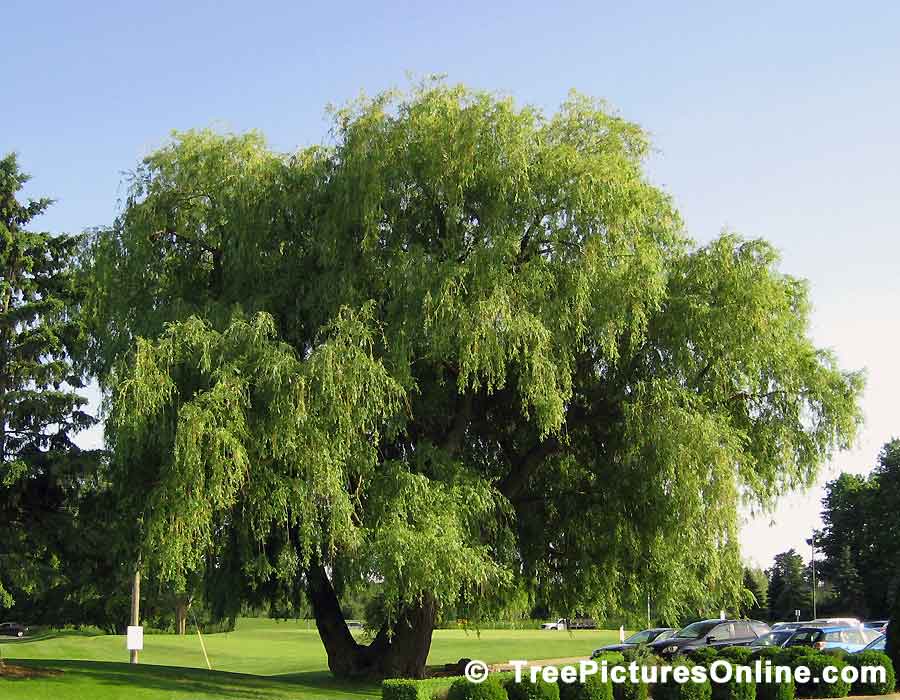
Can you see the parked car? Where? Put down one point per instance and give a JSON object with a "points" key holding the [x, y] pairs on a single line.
{"points": [[654, 634], [789, 625], [847, 637], [13, 629], [877, 625], [576, 623], [559, 624], [827, 621], [581, 623], [775, 638], [711, 633]]}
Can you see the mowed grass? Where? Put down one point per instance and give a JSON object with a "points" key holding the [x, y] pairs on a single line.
{"points": [[260, 659]]}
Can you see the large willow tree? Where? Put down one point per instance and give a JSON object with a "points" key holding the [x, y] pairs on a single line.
{"points": [[466, 351]]}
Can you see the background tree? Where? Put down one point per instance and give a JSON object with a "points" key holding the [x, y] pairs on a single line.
{"points": [[861, 537], [893, 632], [41, 471], [788, 588], [850, 595], [757, 584], [467, 351], [883, 576]]}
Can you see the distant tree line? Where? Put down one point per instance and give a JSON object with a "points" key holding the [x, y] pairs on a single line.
{"points": [[860, 541], [857, 564]]}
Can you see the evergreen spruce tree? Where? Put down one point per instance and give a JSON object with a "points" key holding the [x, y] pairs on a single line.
{"points": [[788, 588], [850, 591], [40, 407]]}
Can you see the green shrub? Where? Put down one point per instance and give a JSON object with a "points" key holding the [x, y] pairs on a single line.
{"points": [[740, 655], [592, 689], [399, 689], [873, 658], [791, 655], [610, 657], [817, 687], [462, 689], [704, 655], [628, 690], [672, 690], [642, 654], [504, 677], [785, 690], [409, 689], [526, 690], [836, 652], [733, 689], [765, 653]]}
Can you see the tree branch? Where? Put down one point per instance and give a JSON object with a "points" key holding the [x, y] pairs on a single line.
{"points": [[516, 481], [212, 250], [746, 396], [453, 440]]}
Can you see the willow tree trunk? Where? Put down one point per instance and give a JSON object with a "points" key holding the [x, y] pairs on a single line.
{"points": [[400, 652], [182, 606]]}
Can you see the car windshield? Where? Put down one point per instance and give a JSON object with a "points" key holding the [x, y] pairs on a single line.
{"points": [[772, 639], [878, 644], [806, 636], [696, 630], [640, 637]]}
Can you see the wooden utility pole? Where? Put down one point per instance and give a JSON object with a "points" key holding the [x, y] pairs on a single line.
{"points": [[136, 605]]}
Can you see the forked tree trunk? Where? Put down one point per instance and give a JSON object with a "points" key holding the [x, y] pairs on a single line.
{"points": [[409, 647], [399, 655]]}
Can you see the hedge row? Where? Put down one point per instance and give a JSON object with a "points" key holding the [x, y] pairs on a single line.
{"points": [[793, 657], [409, 689], [502, 686]]}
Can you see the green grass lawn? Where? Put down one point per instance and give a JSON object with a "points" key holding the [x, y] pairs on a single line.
{"points": [[260, 659]]}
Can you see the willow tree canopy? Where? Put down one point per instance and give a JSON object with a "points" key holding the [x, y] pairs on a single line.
{"points": [[467, 350]]}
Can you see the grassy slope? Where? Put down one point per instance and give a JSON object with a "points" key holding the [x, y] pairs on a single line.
{"points": [[261, 659]]}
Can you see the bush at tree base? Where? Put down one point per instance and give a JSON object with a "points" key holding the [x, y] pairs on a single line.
{"points": [[873, 658]]}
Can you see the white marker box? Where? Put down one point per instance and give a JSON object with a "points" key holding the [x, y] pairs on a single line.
{"points": [[135, 639]]}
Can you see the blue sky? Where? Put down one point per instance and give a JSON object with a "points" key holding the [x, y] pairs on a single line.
{"points": [[773, 119]]}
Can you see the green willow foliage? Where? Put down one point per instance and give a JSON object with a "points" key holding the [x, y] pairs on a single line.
{"points": [[467, 350]]}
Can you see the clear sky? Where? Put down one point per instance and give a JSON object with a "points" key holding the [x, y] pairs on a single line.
{"points": [[773, 119]]}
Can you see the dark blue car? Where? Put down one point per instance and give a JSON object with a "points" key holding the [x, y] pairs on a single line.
{"points": [[654, 634]]}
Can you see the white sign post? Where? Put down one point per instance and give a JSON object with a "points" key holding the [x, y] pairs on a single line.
{"points": [[135, 639], [622, 633]]}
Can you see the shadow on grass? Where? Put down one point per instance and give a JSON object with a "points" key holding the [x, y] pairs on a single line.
{"points": [[213, 684], [325, 681]]}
